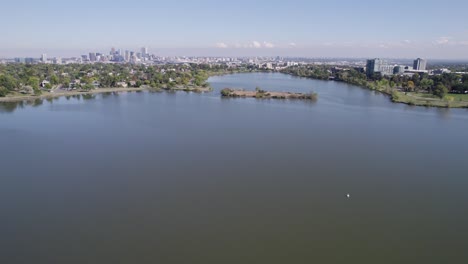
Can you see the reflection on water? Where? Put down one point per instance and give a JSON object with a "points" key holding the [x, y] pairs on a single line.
{"points": [[8, 107], [444, 113], [106, 95], [88, 96], [35, 103], [155, 91], [12, 106]]}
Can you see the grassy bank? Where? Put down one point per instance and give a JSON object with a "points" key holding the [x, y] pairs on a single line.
{"points": [[419, 99], [410, 98], [424, 99]]}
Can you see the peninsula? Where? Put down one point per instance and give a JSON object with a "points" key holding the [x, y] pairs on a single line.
{"points": [[25, 82]]}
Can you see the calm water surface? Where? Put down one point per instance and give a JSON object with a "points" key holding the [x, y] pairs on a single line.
{"points": [[194, 178]]}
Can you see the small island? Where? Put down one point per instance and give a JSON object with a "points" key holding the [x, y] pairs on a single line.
{"points": [[262, 94]]}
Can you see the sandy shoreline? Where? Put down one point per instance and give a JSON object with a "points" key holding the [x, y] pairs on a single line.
{"points": [[48, 95]]}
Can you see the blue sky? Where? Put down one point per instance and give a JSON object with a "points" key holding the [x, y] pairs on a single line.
{"points": [[433, 29]]}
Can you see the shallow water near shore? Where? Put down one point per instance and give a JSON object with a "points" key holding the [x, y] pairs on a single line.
{"points": [[196, 178]]}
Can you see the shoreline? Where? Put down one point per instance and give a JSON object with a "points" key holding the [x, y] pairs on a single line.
{"points": [[409, 98], [49, 95], [261, 94]]}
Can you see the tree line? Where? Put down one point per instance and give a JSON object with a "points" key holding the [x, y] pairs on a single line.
{"points": [[17, 77], [438, 85]]}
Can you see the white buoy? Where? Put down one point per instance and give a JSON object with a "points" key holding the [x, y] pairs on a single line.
{"points": [[348, 195]]}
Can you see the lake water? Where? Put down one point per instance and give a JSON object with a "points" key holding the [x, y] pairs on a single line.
{"points": [[195, 178]]}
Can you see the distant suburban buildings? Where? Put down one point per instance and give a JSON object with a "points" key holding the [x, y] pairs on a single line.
{"points": [[142, 56], [20, 60], [382, 67]]}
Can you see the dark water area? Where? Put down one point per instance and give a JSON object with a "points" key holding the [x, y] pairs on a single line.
{"points": [[196, 178]]}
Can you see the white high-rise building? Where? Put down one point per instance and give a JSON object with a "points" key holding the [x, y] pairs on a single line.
{"points": [[419, 64], [44, 58], [378, 66]]}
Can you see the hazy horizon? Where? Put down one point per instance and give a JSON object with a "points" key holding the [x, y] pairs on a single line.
{"points": [[362, 29], [207, 52]]}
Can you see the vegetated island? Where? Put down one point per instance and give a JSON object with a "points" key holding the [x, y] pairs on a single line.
{"points": [[262, 94]]}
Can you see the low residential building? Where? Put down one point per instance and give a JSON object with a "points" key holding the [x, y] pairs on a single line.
{"points": [[122, 84], [44, 83], [441, 71], [399, 69]]}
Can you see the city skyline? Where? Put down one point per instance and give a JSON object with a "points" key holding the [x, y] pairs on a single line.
{"points": [[207, 28]]}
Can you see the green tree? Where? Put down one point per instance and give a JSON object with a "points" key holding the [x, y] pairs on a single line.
{"points": [[54, 80], [8, 82], [465, 78], [87, 87], [87, 80], [66, 81], [426, 83], [226, 92], [416, 78], [33, 82], [440, 91], [3, 91]]}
